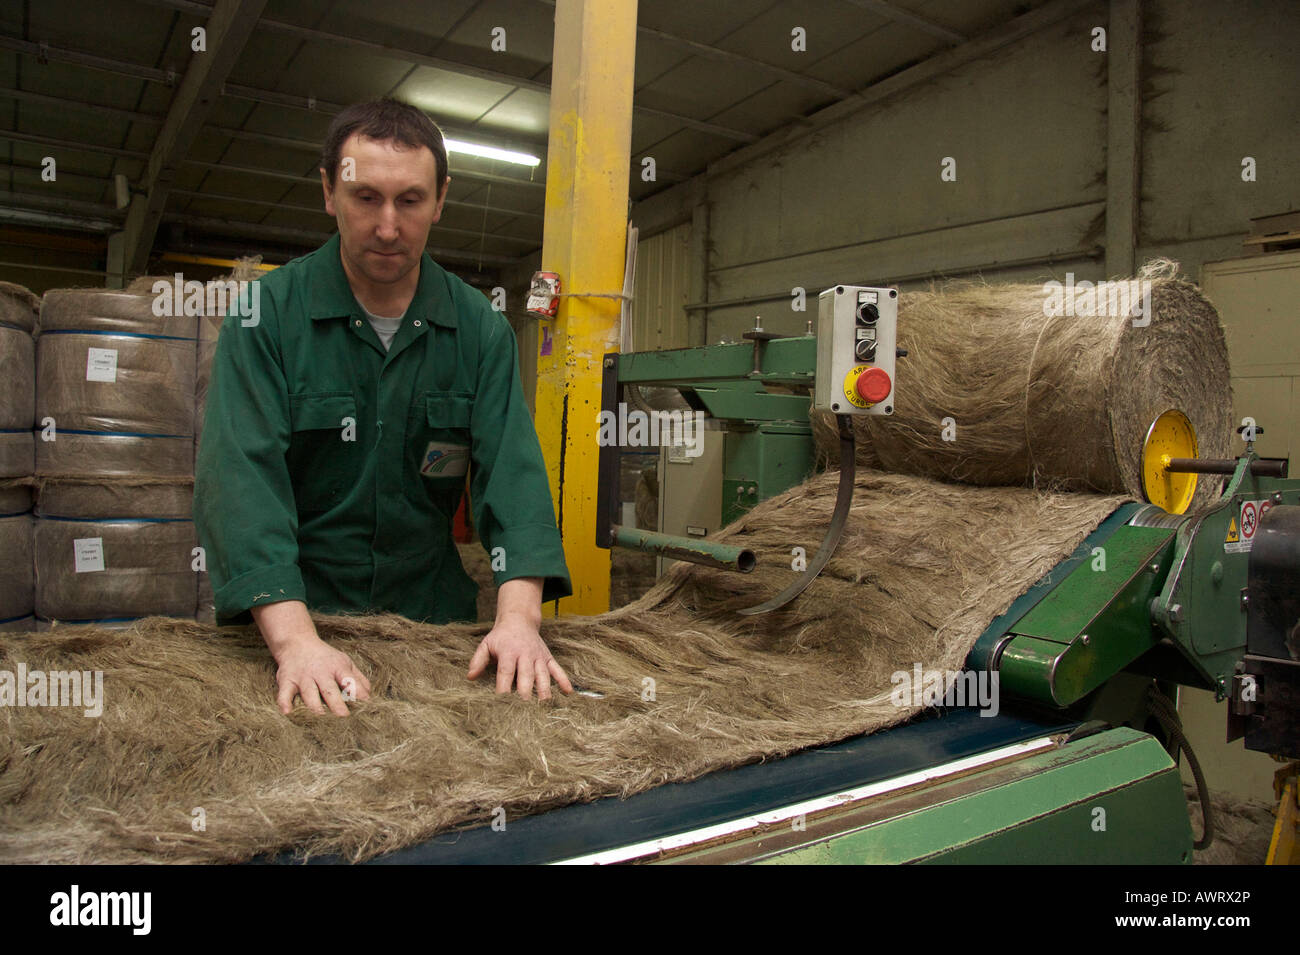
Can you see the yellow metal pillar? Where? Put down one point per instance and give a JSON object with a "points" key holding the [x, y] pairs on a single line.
{"points": [[584, 242]]}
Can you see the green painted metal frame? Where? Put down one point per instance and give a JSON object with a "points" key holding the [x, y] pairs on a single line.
{"points": [[761, 463], [747, 401], [1039, 808], [1093, 624], [787, 361], [984, 654], [695, 550], [1169, 600], [1201, 607], [771, 450]]}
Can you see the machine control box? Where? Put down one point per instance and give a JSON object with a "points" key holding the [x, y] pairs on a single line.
{"points": [[856, 348]]}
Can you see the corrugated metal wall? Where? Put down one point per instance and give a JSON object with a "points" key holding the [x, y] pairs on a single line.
{"points": [[662, 278]]}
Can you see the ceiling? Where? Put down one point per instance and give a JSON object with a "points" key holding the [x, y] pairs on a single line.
{"points": [[92, 85]]}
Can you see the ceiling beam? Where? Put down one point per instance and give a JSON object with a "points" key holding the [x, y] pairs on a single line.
{"points": [[9, 134], [50, 212], [227, 32]]}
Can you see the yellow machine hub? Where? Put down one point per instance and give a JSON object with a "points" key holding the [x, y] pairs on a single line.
{"points": [[1170, 436]]}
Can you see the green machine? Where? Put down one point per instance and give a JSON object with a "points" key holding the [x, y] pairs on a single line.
{"points": [[768, 440], [1079, 762]]}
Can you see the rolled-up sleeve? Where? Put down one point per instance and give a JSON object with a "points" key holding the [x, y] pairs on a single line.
{"points": [[244, 508], [509, 490]]}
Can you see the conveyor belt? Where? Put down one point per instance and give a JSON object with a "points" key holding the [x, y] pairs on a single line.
{"points": [[718, 797]]}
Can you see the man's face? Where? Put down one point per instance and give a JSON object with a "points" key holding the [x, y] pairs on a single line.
{"points": [[385, 199]]}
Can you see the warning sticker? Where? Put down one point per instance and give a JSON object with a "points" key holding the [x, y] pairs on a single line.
{"points": [[1242, 528], [1249, 520]]}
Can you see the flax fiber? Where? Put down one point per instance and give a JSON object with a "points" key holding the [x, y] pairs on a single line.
{"points": [[1060, 401], [689, 686], [143, 535], [18, 315], [17, 573], [133, 414], [189, 718]]}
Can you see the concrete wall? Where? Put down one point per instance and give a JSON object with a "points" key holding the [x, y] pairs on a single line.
{"points": [[1222, 84], [862, 200]]}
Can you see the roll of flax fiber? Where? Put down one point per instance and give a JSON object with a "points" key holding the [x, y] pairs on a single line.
{"points": [[114, 550], [17, 571], [113, 535], [118, 381], [18, 313], [995, 391]]}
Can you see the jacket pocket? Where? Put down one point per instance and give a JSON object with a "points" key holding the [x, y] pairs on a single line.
{"points": [[443, 442], [323, 453]]}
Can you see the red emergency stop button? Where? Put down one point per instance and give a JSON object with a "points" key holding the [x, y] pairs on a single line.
{"points": [[874, 385]]}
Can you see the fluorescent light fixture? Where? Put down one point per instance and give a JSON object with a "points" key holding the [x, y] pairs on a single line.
{"points": [[490, 152]]}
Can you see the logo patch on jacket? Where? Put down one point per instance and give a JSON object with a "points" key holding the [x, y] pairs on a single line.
{"points": [[445, 460]]}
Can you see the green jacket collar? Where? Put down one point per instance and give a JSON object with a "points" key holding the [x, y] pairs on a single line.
{"points": [[331, 295]]}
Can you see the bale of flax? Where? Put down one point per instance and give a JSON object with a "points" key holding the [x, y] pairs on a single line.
{"points": [[17, 570], [431, 751], [995, 390], [118, 381], [114, 549], [18, 313]]}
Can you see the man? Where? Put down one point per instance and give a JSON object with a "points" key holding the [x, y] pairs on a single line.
{"points": [[340, 426]]}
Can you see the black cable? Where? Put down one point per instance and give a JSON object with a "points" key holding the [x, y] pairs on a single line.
{"points": [[1163, 709]]}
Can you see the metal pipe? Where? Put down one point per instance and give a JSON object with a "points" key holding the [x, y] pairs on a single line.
{"points": [[1259, 468], [690, 549], [1092, 252]]}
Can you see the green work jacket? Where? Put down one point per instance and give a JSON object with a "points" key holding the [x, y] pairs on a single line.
{"points": [[329, 470]]}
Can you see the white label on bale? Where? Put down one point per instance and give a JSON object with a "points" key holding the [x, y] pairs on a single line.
{"points": [[88, 554], [101, 364]]}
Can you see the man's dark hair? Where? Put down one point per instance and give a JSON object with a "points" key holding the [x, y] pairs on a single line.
{"points": [[384, 119]]}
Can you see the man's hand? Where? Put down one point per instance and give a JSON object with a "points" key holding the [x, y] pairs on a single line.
{"points": [[308, 666], [521, 654]]}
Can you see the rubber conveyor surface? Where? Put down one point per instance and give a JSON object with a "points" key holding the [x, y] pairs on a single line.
{"points": [[577, 830]]}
